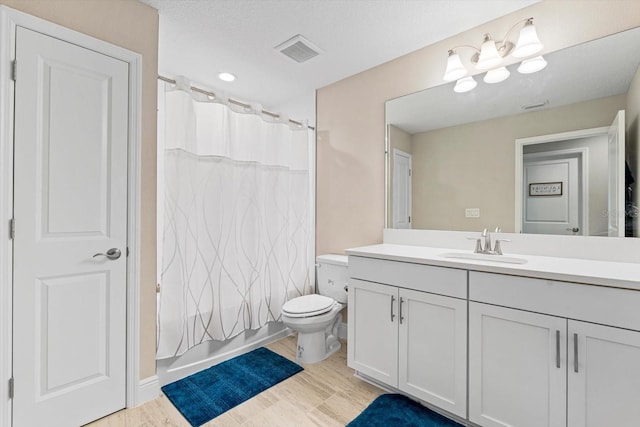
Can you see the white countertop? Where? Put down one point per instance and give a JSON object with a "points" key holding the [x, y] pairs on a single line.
{"points": [[602, 273]]}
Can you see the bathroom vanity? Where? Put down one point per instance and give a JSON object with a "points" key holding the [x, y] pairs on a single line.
{"points": [[546, 342]]}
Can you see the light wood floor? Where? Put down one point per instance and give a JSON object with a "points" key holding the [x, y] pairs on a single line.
{"points": [[324, 394]]}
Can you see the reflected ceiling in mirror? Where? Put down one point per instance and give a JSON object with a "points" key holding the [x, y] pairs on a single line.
{"points": [[590, 71]]}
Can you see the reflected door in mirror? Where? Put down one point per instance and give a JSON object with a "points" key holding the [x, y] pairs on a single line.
{"points": [[401, 189], [552, 196]]}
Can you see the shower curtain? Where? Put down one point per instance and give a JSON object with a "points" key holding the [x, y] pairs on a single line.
{"points": [[237, 238]]}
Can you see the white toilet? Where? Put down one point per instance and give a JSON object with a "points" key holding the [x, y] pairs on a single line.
{"points": [[317, 317]]}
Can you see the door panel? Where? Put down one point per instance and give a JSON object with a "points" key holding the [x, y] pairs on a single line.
{"points": [[70, 203], [604, 391], [373, 330], [73, 130], [433, 349], [517, 368], [552, 213], [59, 331], [401, 189]]}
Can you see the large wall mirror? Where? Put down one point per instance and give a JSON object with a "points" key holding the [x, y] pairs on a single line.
{"points": [[537, 153]]}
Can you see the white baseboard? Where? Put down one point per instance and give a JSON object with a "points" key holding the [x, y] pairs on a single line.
{"points": [[148, 389], [342, 331]]}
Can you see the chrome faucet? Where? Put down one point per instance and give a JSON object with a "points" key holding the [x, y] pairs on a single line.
{"points": [[486, 248], [487, 241]]}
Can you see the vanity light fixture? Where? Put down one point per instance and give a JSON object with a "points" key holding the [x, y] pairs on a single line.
{"points": [[490, 57]]}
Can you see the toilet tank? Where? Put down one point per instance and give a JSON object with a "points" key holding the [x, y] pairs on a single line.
{"points": [[332, 276]]}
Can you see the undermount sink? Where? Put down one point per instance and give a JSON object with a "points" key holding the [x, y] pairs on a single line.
{"points": [[484, 257]]}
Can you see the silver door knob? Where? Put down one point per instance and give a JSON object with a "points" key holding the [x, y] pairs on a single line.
{"points": [[112, 254], [574, 229]]}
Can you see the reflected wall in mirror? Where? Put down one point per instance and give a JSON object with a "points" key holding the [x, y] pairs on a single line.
{"points": [[463, 148]]}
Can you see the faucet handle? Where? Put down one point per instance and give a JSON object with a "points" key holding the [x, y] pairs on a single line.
{"points": [[498, 229], [478, 248], [498, 247], [484, 232]]}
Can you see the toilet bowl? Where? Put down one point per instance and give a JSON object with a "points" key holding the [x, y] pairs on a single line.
{"points": [[316, 318]]}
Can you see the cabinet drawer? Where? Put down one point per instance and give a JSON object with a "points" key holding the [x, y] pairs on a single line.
{"points": [[597, 304], [438, 280]]}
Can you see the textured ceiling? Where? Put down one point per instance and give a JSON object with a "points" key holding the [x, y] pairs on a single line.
{"points": [[199, 38]]}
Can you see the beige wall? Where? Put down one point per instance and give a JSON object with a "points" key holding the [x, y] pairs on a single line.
{"points": [[401, 140], [350, 113], [473, 165], [134, 26]]}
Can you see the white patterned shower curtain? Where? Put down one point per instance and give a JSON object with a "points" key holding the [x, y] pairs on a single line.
{"points": [[238, 237]]}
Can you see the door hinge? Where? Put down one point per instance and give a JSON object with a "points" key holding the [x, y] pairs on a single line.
{"points": [[14, 70], [409, 172], [11, 388], [127, 250], [409, 219], [12, 228]]}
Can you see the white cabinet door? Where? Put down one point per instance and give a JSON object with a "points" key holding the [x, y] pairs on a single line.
{"points": [[71, 128], [373, 330], [604, 378], [433, 349], [517, 368]]}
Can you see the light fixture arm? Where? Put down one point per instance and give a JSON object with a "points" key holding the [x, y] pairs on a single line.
{"points": [[453, 49], [506, 37], [504, 46]]}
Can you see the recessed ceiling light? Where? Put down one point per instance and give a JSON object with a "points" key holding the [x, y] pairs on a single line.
{"points": [[226, 77]]}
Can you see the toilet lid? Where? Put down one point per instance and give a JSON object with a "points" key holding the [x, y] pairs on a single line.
{"points": [[308, 305]]}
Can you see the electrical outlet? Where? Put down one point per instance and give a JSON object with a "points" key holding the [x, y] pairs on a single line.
{"points": [[472, 213]]}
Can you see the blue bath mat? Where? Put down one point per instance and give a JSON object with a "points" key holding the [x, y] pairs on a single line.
{"points": [[397, 410], [204, 395]]}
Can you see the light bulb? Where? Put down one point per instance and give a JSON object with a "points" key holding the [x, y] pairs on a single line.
{"points": [[465, 84], [226, 77], [528, 41], [489, 56], [455, 69], [496, 75], [532, 65]]}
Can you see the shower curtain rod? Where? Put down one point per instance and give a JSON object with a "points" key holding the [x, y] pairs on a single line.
{"points": [[233, 101]]}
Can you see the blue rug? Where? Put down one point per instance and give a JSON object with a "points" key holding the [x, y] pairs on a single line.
{"points": [[397, 410], [204, 395]]}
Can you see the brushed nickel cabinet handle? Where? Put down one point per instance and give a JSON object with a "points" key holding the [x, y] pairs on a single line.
{"points": [[401, 302], [393, 299], [575, 353], [558, 349]]}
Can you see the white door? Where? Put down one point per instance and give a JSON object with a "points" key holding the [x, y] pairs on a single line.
{"points": [[70, 181], [433, 349], [616, 206], [517, 368], [401, 189], [604, 376], [373, 330], [551, 197]]}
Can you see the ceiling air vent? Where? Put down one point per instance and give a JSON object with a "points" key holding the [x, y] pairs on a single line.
{"points": [[298, 48]]}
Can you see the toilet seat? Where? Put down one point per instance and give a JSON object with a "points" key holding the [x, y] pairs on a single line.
{"points": [[308, 306]]}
